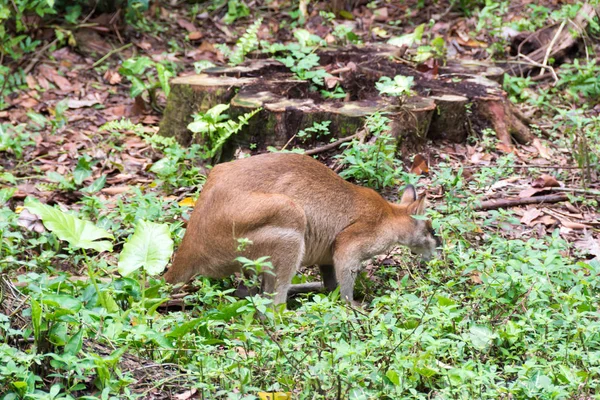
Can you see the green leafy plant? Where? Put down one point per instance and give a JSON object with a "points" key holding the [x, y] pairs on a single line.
{"points": [[580, 80], [15, 43], [517, 88], [245, 44], [318, 129], [78, 233], [436, 49], [408, 39], [150, 248], [337, 93], [236, 9], [14, 139], [399, 86], [372, 164], [201, 65], [584, 136], [300, 56], [215, 128], [146, 75], [178, 166]]}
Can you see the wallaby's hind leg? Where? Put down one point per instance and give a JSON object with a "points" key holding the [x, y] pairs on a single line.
{"points": [[285, 255], [276, 227], [329, 282]]}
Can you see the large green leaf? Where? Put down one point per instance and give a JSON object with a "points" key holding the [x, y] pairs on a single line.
{"points": [[150, 247], [79, 233], [75, 344]]}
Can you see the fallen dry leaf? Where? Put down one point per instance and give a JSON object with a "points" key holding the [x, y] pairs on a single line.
{"points": [[144, 45], [505, 148], [30, 221], [331, 81], [82, 103], [419, 165], [545, 181], [530, 192], [470, 42], [28, 102], [187, 202], [188, 394], [573, 225], [196, 35], [543, 150], [530, 215], [476, 278], [31, 82], [115, 112], [115, 190], [504, 182], [480, 158], [545, 220], [589, 245], [381, 14], [112, 77], [187, 25]]}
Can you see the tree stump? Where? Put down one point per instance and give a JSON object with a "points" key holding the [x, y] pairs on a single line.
{"points": [[449, 101]]}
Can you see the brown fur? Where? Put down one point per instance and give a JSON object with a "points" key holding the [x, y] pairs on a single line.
{"points": [[298, 212]]}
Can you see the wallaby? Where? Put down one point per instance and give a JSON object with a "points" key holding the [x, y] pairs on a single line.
{"points": [[299, 213]]}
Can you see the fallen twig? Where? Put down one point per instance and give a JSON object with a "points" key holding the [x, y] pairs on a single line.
{"points": [[330, 146], [566, 189], [110, 53], [37, 56], [507, 203]]}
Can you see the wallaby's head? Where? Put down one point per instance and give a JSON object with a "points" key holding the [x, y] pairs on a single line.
{"points": [[420, 236]]}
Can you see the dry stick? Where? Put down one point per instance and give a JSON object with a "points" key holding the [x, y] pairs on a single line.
{"points": [[330, 146], [537, 64], [541, 77], [551, 45], [541, 166], [110, 53], [288, 142], [38, 55], [567, 189], [506, 203]]}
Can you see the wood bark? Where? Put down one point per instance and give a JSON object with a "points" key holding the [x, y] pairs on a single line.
{"points": [[450, 100]]}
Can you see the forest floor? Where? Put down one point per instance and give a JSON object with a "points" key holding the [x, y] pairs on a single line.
{"points": [[506, 272]]}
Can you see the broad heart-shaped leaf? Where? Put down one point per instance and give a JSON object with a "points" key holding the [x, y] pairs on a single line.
{"points": [[150, 247], [79, 233], [481, 336]]}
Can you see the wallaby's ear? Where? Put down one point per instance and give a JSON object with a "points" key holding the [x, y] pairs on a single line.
{"points": [[417, 207], [409, 195]]}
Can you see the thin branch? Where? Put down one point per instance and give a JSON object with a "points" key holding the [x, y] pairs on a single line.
{"points": [[110, 53], [552, 43], [330, 146], [507, 203]]}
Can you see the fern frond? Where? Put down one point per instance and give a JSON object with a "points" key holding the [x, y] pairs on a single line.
{"points": [[228, 128], [245, 44]]}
